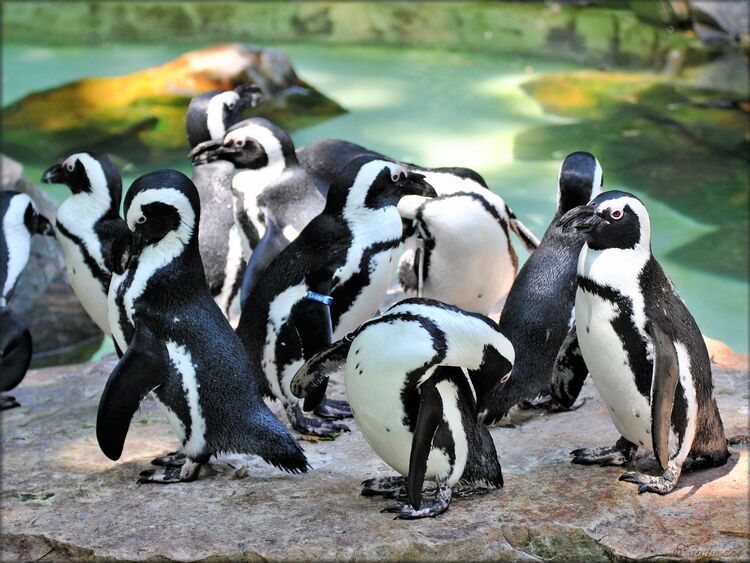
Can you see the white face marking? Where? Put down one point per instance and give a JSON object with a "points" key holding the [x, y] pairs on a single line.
{"points": [[183, 363], [596, 187], [215, 113], [258, 179], [18, 239]]}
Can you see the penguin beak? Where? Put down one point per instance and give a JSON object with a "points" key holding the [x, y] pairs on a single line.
{"points": [[54, 175], [137, 243], [581, 219], [42, 226], [415, 184], [204, 152]]}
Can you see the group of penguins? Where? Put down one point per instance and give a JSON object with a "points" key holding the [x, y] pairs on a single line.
{"points": [[307, 239]]}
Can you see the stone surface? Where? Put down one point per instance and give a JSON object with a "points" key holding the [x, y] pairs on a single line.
{"points": [[63, 499]]}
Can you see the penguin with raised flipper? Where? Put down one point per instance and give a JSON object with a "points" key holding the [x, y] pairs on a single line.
{"points": [[642, 347], [208, 117], [19, 221], [538, 311], [327, 282], [268, 182], [180, 345], [416, 405], [89, 227]]}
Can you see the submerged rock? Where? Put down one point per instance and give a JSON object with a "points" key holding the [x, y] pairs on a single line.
{"points": [[140, 117]]}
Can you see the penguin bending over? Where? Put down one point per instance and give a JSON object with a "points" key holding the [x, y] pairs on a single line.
{"points": [[642, 347], [89, 227], [19, 221], [208, 117], [328, 281], [268, 183], [413, 400], [538, 311], [180, 345]]}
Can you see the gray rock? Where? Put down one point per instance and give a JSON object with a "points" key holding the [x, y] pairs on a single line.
{"points": [[63, 499]]}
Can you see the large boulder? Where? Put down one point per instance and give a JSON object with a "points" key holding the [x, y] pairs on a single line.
{"points": [[61, 330]]}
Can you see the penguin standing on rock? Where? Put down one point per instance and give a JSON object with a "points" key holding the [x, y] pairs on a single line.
{"points": [[328, 281], [180, 345], [208, 117], [19, 221], [538, 312], [89, 227], [414, 403], [642, 347], [269, 185]]}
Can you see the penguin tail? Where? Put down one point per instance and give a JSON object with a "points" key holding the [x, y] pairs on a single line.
{"points": [[482, 466], [528, 238], [271, 440], [15, 349]]}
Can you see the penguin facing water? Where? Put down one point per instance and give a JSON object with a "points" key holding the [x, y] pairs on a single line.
{"points": [[89, 227], [642, 347], [179, 344], [328, 281], [415, 405], [538, 311], [19, 221]]}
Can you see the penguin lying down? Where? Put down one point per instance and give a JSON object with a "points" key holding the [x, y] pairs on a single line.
{"points": [[415, 403]]}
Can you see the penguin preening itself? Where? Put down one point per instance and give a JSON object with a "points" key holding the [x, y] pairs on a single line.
{"points": [[89, 227], [209, 116], [326, 282], [538, 311], [180, 345], [642, 347], [415, 405], [19, 221], [269, 185]]}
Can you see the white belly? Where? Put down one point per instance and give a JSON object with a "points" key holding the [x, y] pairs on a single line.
{"points": [[86, 287], [609, 367]]}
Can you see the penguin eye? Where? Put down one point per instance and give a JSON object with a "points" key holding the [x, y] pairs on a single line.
{"points": [[239, 143], [230, 105], [616, 214], [69, 166], [141, 220]]}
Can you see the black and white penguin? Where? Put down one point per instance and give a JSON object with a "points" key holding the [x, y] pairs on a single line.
{"points": [[268, 182], [642, 347], [208, 117], [19, 221], [89, 227], [180, 345], [538, 312], [328, 281], [414, 400]]}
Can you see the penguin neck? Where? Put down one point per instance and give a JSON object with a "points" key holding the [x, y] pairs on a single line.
{"points": [[618, 268], [93, 204], [249, 180]]}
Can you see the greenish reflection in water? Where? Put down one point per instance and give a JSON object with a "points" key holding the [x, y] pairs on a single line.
{"points": [[432, 107]]}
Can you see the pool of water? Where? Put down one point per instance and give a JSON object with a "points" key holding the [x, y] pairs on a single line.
{"points": [[432, 107]]}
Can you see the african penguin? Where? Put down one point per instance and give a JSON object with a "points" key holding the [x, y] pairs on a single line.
{"points": [[19, 221], [327, 282], [180, 345], [642, 347], [268, 182], [89, 227], [208, 117], [538, 311], [416, 378]]}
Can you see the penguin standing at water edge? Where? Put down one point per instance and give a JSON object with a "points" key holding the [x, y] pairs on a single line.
{"points": [[19, 221], [89, 227], [180, 345], [328, 281], [208, 117], [538, 312], [414, 403], [642, 347]]}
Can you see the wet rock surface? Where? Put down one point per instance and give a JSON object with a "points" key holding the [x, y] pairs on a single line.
{"points": [[62, 498]]}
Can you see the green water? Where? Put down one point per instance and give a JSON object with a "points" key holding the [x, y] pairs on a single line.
{"points": [[432, 107]]}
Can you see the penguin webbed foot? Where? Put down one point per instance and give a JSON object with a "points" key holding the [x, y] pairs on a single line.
{"points": [[313, 426], [619, 454], [427, 509], [389, 487], [661, 484], [333, 409], [167, 474], [172, 459], [8, 402]]}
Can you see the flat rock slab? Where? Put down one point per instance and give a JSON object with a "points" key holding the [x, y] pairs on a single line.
{"points": [[61, 498]]}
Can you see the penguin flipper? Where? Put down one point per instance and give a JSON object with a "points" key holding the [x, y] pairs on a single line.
{"points": [[429, 418], [569, 371], [272, 243], [312, 374], [528, 238], [15, 349], [139, 372], [663, 386]]}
